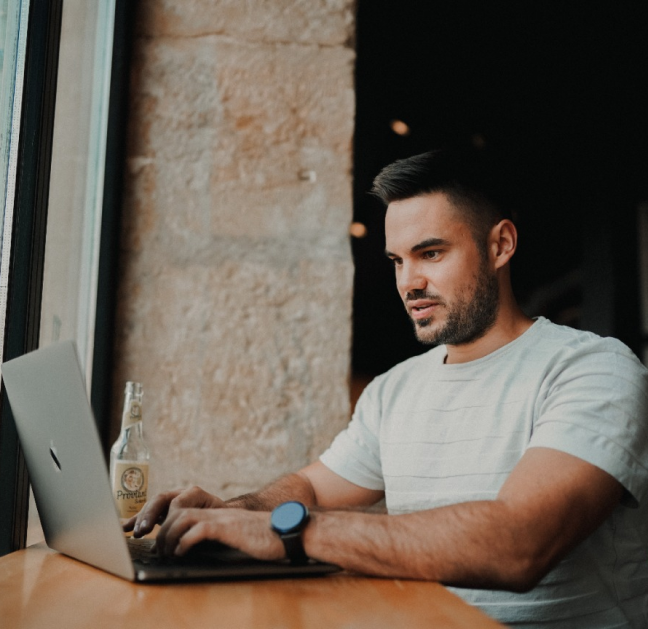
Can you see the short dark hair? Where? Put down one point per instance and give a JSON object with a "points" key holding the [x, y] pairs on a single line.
{"points": [[471, 182]]}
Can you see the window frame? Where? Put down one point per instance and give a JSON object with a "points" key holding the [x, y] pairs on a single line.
{"points": [[25, 271], [29, 231]]}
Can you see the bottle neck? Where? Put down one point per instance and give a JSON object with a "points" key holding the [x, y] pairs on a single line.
{"points": [[132, 415]]}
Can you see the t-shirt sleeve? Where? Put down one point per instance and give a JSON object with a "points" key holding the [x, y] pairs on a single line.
{"points": [[596, 408], [355, 452]]}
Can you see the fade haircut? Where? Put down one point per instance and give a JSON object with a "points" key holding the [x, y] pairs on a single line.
{"points": [[470, 182]]}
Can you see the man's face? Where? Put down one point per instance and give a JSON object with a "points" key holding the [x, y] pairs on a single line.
{"points": [[449, 290]]}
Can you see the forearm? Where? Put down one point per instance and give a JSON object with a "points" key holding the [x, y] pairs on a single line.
{"points": [[291, 487], [466, 545], [473, 544]]}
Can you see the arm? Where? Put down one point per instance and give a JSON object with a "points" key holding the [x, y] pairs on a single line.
{"points": [[315, 486], [551, 502]]}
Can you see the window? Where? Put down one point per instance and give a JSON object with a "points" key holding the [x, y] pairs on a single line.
{"points": [[13, 35], [59, 227]]}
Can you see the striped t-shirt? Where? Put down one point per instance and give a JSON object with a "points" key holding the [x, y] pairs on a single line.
{"points": [[431, 434]]}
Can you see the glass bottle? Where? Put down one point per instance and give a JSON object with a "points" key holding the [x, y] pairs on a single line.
{"points": [[129, 457]]}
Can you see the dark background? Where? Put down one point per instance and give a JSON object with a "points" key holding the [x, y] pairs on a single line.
{"points": [[556, 91]]}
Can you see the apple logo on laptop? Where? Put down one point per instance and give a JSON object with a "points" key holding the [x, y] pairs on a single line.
{"points": [[53, 454]]}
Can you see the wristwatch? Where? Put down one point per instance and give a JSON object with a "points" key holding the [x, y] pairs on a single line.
{"points": [[288, 521]]}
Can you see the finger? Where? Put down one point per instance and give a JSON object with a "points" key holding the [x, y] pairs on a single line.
{"points": [[198, 532], [195, 498], [129, 525], [176, 524], [153, 512]]}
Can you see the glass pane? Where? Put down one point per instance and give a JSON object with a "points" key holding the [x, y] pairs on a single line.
{"points": [[13, 36], [76, 184]]}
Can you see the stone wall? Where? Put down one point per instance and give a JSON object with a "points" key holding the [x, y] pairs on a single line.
{"points": [[236, 272]]}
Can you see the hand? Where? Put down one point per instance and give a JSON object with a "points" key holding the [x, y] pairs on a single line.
{"points": [[155, 511], [248, 531]]}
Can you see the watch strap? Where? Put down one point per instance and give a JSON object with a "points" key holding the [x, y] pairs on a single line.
{"points": [[295, 548]]}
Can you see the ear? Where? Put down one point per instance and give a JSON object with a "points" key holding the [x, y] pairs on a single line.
{"points": [[502, 242]]}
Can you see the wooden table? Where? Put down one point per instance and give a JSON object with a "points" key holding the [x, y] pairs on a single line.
{"points": [[40, 589]]}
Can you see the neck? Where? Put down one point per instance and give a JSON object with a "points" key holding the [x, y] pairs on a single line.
{"points": [[511, 323]]}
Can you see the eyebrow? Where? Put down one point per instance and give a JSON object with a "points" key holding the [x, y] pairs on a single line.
{"points": [[424, 244]]}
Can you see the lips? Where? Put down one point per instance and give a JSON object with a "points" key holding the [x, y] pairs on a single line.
{"points": [[422, 308]]}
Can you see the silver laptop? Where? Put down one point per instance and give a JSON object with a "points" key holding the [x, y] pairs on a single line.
{"points": [[58, 434]]}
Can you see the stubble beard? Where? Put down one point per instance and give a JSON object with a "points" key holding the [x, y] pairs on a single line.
{"points": [[468, 318]]}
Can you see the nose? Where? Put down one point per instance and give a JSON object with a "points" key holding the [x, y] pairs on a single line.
{"points": [[410, 279]]}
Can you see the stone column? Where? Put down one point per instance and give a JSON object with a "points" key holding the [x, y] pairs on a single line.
{"points": [[236, 272]]}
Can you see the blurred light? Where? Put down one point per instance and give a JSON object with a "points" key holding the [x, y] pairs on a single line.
{"points": [[479, 141], [399, 127], [358, 230]]}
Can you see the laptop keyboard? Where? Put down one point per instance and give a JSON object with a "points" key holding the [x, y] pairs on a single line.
{"points": [[143, 550]]}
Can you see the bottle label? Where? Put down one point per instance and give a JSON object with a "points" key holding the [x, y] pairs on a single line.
{"points": [[130, 486], [132, 414]]}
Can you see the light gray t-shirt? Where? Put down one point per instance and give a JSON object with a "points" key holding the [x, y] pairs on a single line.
{"points": [[432, 434]]}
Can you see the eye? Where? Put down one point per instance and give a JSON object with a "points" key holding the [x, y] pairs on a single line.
{"points": [[431, 254], [396, 261]]}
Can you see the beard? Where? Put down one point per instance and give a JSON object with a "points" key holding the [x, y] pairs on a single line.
{"points": [[467, 319]]}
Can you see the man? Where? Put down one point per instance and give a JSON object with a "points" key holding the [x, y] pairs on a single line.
{"points": [[512, 455]]}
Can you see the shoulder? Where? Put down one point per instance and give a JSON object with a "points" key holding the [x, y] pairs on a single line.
{"points": [[594, 405], [567, 344], [588, 365]]}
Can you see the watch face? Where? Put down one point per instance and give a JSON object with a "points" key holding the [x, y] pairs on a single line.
{"points": [[288, 517]]}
